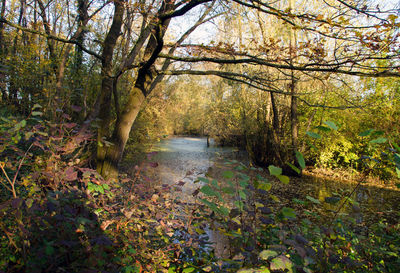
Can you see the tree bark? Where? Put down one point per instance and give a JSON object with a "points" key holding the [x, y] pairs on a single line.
{"points": [[108, 157], [275, 132], [103, 108], [2, 54], [108, 160], [293, 115]]}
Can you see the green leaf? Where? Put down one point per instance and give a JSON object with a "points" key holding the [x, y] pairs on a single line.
{"points": [[207, 190], [37, 113], [397, 158], [281, 263], [288, 212], [274, 170], [366, 133], [239, 204], [398, 172], [20, 125], [275, 198], [300, 160], [378, 133], [294, 168], [106, 187], [133, 269], [224, 211], [266, 254], [313, 135], [203, 179], [212, 206], [331, 125], [323, 128], [332, 199], [315, 201], [378, 140], [298, 201], [264, 186], [36, 105], [242, 194], [228, 174], [188, 269], [258, 205], [240, 168], [229, 190], [243, 183], [396, 147], [244, 177], [283, 178]]}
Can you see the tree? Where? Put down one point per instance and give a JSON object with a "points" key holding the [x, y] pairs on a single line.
{"points": [[336, 37]]}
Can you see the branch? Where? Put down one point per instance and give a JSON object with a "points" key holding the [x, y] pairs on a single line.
{"points": [[229, 76], [175, 13], [53, 37], [342, 107], [363, 11], [258, 61], [171, 51]]}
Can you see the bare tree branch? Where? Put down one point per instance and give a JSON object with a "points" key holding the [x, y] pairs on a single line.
{"points": [[53, 37], [258, 61]]}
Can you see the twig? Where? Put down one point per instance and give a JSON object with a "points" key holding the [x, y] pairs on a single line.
{"points": [[12, 183], [5, 173]]}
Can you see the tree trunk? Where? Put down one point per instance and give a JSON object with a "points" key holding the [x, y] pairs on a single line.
{"points": [[294, 122], [2, 54], [275, 133], [104, 106], [108, 157]]}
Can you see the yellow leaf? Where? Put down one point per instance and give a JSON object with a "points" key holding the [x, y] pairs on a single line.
{"points": [[258, 205], [392, 17], [236, 220]]}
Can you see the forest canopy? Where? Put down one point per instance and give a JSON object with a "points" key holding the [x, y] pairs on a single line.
{"points": [[295, 89], [100, 60]]}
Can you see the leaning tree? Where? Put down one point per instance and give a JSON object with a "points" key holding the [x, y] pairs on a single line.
{"points": [[331, 37]]}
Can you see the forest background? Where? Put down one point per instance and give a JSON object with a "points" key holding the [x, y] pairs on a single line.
{"points": [[295, 83]]}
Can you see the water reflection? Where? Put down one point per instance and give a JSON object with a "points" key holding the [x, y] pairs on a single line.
{"points": [[183, 159], [370, 201]]}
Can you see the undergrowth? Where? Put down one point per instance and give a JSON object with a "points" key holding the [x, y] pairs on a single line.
{"points": [[58, 215]]}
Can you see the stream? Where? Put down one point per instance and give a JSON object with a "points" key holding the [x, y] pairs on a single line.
{"points": [[181, 160]]}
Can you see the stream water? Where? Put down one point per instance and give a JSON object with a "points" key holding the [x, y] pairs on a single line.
{"points": [[183, 159]]}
